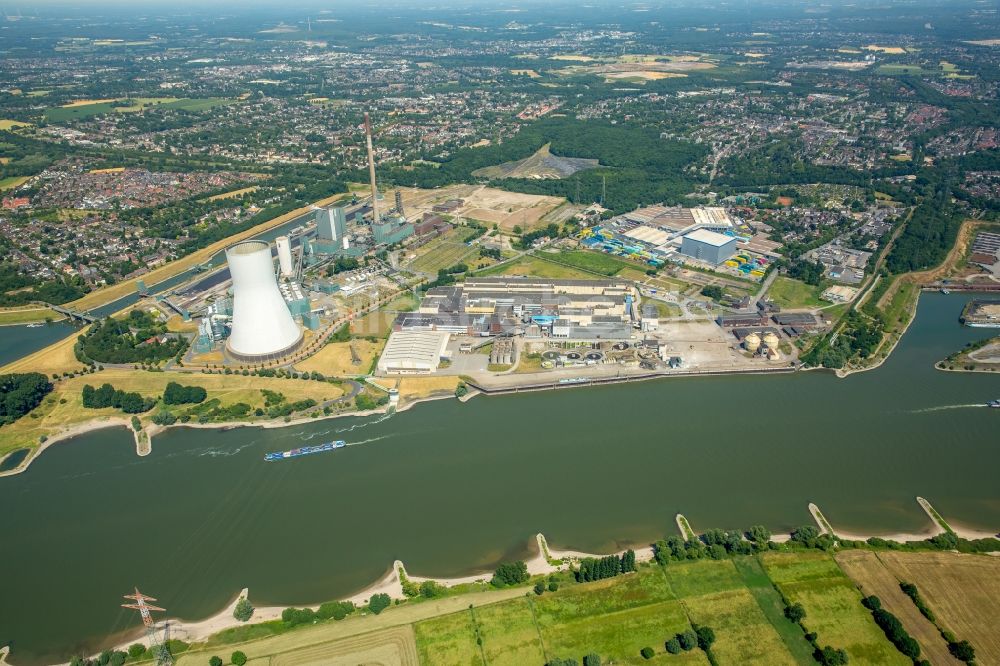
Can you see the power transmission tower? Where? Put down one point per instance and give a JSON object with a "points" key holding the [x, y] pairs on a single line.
{"points": [[160, 651]]}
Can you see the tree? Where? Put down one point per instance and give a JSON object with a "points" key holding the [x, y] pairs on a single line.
{"points": [[21, 393], [759, 535], [215, 661], [553, 585], [829, 656], [705, 637], [674, 646], [962, 651], [430, 589], [688, 640], [647, 653], [238, 658], [539, 588], [712, 291], [244, 610], [510, 573], [136, 424], [379, 602], [796, 612]]}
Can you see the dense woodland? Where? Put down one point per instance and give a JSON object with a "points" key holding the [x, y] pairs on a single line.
{"points": [[136, 339], [20, 393]]}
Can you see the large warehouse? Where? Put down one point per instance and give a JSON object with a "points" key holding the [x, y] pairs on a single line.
{"points": [[413, 352], [708, 246]]}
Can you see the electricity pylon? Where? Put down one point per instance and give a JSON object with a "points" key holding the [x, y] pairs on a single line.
{"points": [[160, 651]]}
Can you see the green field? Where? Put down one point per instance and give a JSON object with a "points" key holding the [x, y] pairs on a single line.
{"points": [[903, 69], [833, 606], [58, 114], [793, 294], [536, 267], [595, 262], [11, 182]]}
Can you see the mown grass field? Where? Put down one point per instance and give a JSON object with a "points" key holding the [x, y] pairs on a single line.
{"points": [[595, 262], [793, 294], [27, 315], [335, 358], [833, 606]]}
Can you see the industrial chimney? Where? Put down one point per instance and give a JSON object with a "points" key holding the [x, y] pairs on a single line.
{"points": [[371, 168]]}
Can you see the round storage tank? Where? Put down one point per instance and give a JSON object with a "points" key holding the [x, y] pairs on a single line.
{"points": [[263, 328], [751, 343], [771, 340]]}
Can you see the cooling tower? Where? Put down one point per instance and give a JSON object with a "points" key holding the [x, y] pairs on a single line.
{"points": [[263, 328], [284, 255]]}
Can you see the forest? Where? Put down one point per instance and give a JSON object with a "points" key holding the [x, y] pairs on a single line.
{"points": [[639, 167], [135, 339]]}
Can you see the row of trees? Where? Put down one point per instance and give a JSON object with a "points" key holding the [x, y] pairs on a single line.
{"points": [[592, 568], [826, 655], [20, 393], [685, 641], [961, 650], [108, 396], [894, 630]]}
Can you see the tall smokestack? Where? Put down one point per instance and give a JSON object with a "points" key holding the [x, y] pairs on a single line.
{"points": [[371, 168]]}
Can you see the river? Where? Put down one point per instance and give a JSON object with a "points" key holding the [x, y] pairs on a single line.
{"points": [[451, 488]]}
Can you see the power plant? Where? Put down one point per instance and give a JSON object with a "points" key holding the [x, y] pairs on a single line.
{"points": [[284, 255], [262, 325]]}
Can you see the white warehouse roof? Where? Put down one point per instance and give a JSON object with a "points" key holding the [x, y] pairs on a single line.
{"points": [[710, 237], [413, 351]]}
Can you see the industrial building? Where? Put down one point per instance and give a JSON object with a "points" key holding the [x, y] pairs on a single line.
{"points": [[708, 246], [413, 352], [262, 325], [581, 309]]}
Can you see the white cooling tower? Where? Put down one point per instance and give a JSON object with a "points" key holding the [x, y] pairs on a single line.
{"points": [[284, 255], [263, 328]]}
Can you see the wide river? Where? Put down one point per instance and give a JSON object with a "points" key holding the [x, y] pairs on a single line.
{"points": [[451, 488]]}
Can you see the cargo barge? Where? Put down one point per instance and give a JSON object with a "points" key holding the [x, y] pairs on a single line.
{"points": [[305, 450]]}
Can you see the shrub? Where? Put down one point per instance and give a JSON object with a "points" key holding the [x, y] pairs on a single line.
{"points": [[592, 659], [215, 661], [510, 573], [430, 589], [238, 658], [962, 651], [688, 640], [539, 588], [796, 613], [243, 610], [379, 602], [136, 650], [647, 652], [705, 637], [829, 656], [553, 586]]}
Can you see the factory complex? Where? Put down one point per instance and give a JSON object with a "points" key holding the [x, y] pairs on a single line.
{"points": [[706, 237], [533, 307]]}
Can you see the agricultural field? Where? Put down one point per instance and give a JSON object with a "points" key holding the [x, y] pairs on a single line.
{"points": [[869, 573], [6, 124], [395, 647], [793, 294], [234, 193], [89, 108], [963, 591], [833, 606]]}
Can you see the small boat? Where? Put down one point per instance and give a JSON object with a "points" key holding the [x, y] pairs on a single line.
{"points": [[993, 403], [944, 290], [35, 325]]}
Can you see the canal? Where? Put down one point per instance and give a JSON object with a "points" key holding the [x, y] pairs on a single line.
{"points": [[451, 488]]}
